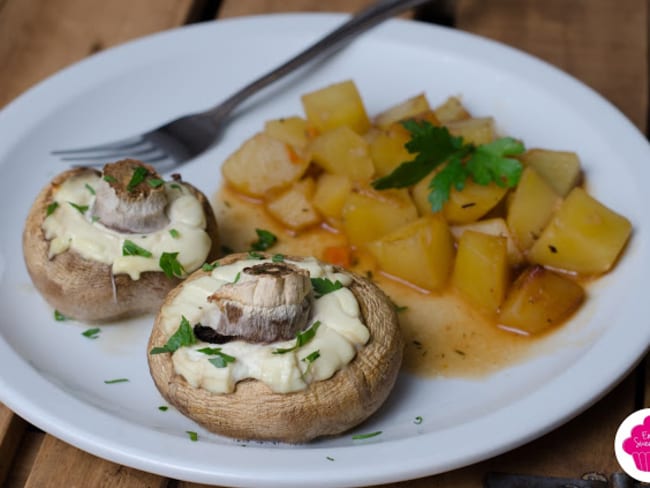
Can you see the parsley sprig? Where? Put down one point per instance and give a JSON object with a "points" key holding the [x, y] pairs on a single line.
{"points": [[184, 336], [302, 338], [434, 147], [323, 286]]}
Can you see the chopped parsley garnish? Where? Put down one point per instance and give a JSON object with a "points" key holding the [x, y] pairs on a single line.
{"points": [[51, 208], [435, 147], [323, 286], [80, 208], [265, 240], [237, 276], [175, 186], [59, 317], [109, 178], [184, 336], [90, 189], [170, 265], [329, 458], [174, 233], [155, 182], [163, 408], [302, 338], [130, 248], [310, 358], [357, 437], [139, 175], [193, 435], [210, 266], [254, 255], [116, 380], [417, 420], [220, 359], [91, 333], [278, 258]]}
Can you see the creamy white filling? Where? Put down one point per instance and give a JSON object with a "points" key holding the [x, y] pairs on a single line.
{"points": [[339, 334], [70, 228]]}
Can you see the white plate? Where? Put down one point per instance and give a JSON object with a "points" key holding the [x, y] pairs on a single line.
{"points": [[54, 377]]}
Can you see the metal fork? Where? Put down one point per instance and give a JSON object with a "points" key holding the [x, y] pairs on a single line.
{"points": [[185, 138]]}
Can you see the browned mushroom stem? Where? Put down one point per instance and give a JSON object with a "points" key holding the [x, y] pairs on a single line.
{"points": [[129, 198], [269, 302]]}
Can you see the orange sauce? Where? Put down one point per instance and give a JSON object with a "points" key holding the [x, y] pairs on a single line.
{"points": [[443, 335]]}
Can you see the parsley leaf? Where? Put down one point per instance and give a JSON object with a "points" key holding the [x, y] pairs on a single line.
{"points": [[170, 265], [302, 338], [80, 208], [184, 336], [265, 239], [434, 146], [130, 248], [323, 286], [220, 359], [51, 208], [210, 266], [91, 333], [139, 174]]}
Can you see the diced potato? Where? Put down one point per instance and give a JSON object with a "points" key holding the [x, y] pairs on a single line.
{"points": [[292, 130], [532, 205], [388, 151], [330, 195], [407, 109], [481, 270], [451, 110], [583, 236], [293, 207], [369, 214], [343, 151], [540, 299], [494, 227], [336, 105], [560, 169], [420, 252], [472, 202], [476, 130], [262, 164]]}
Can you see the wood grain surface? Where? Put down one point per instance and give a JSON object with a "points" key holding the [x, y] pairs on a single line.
{"points": [[604, 43]]}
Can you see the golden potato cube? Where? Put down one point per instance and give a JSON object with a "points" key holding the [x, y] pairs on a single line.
{"points": [[388, 152], [343, 151], [404, 110], [481, 270], [421, 252], [331, 193], [472, 202], [370, 214], [560, 169], [292, 130], [336, 105], [263, 163], [451, 110], [494, 227], [540, 299], [532, 205], [583, 236], [293, 207], [476, 130]]}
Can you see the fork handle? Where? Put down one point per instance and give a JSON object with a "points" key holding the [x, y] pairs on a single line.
{"points": [[357, 24]]}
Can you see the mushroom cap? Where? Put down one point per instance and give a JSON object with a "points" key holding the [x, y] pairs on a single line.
{"points": [[86, 289], [323, 408]]}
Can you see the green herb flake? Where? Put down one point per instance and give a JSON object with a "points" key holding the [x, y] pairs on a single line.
{"points": [[174, 233], [357, 437], [91, 333], [254, 255], [51, 208], [59, 317], [94, 219], [116, 380], [210, 266], [109, 179], [310, 358], [184, 336], [237, 276], [193, 435], [80, 208], [220, 359], [434, 146], [323, 286], [139, 175], [90, 189], [278, 258], [130, 248], [155, 182], [329, 458], [170, 265], [418, 420], [265, 240], [163, 408], [302, 338], [175, 186]]}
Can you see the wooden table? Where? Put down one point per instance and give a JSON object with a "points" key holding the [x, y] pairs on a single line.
{"points": [[602, 42]]}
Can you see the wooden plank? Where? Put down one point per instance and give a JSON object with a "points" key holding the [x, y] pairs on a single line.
{"points": [[38, 38], [59, 464], [12, 429], [601, 42], [234, 8], [24, 458]]}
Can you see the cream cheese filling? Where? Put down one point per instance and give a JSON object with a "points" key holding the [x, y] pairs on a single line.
{"points": [[338, 336], [70, 227]]}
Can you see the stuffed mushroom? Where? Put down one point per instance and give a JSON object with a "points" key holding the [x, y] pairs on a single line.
{"points": [[105, 245], [276, 348]]}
